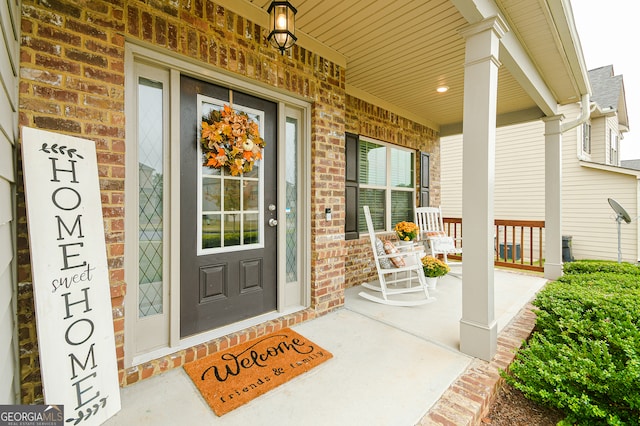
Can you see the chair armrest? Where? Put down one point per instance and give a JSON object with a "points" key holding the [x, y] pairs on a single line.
{"points": [[399, 254], [407, 248]]}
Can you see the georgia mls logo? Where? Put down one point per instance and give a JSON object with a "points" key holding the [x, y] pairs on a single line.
{"points": [[31, 415]]}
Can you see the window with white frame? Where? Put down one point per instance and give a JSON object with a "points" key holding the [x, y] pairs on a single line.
{"points": [[613, 147], [386, 176], [586, 138]]}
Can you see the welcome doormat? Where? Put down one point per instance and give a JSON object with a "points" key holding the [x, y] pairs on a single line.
{"points": [[231, 378]]}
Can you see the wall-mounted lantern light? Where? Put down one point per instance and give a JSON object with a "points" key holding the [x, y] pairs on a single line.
{"points": [[282, 25]]}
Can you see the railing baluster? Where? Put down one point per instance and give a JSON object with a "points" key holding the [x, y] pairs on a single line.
{"points": [[502, 239]]}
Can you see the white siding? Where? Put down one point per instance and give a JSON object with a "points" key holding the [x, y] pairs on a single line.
{"points": [[519, 187], [451, 176], [519, 166], [599, 145], [9, 25]]}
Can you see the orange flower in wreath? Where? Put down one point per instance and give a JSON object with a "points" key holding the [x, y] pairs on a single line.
{"points": [[230, 139]]}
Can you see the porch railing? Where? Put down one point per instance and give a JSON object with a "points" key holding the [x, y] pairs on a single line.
{"points": [[517, 243]]}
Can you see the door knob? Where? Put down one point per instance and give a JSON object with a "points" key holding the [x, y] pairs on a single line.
{"points": [[273, 222]]}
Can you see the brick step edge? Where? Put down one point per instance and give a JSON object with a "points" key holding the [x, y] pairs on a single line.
{"points": [[469, 398]]}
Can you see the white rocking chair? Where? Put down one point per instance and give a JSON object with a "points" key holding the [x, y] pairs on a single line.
{"points": [[394, 280], [429, 220]]}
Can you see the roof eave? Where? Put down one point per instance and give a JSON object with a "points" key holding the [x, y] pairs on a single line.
{"points": [[562, 14]]}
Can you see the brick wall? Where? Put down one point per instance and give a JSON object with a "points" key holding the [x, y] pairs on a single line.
{"points": [[72, 61], [72, 82], [369, 120]]}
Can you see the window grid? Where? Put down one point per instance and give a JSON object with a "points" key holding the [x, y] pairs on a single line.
{"points": [[150, 198], [387, 184], [229, 205], [291, 197]]}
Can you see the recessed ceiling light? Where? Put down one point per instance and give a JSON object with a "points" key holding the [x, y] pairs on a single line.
{"points": [[442, 89]]}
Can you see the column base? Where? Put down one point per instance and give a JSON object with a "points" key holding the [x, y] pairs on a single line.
{"points": [[552, 271], [478, 340]]}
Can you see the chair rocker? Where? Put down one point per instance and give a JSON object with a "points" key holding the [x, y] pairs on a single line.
{"points": [[429, 221], [392, 280]]}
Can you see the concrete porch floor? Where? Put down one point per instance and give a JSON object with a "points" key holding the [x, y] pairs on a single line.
{"points": [[391, 365]]}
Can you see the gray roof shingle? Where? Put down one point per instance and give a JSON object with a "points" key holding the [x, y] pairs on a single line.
{"points": [[606, 87]]}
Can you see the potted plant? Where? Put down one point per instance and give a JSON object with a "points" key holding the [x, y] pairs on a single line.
{"points": [[433, 269], [406, 231]]}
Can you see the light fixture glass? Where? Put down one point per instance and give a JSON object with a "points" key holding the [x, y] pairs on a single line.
{"points": [[282, 23], [442, 89]]}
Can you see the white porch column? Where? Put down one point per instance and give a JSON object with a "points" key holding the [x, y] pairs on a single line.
{"points": [[478, 328], [553, 196]]}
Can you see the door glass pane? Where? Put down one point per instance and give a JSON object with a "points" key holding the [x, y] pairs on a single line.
{"points": [[231, 195], [211, 194], [250, 231], [150, 197], [292, 199], [250, 195], [229, 205], [211, 231], [232, 225]]}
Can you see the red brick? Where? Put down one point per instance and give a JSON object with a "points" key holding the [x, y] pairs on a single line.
{"points": [[57, 64], [160, 28], [105, 76], [86, 29], [57, 124], [103, 130], [56, 94], [58, 35], [116, 250], [41, 45], [117, 276], [109, 212], [147, 26], [118, 325], [86, 58], [147, 371], [43, 107], [110, 158], [172, 37], [190, 355], [133, 23], [165, 364], [117, 290], [118, 145], [133, 375], [113, 24]]}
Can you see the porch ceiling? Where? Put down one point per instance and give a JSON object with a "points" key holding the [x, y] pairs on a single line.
{"points": [[397, 52]]}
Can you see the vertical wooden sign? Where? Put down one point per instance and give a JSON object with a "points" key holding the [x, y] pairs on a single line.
{"points": [[70, 276]]}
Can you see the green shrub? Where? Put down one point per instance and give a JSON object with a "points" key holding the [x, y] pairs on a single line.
{"points": [[584, 356], [592, 266]]}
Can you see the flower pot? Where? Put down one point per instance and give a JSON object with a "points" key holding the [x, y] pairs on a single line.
{"points": [[432, 282], [404, 244]]}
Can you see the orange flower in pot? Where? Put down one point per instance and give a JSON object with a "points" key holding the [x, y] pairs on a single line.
{"points": [[406, 231]]}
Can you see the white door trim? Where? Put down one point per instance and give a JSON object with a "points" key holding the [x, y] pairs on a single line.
{"points": [[296, 301]]}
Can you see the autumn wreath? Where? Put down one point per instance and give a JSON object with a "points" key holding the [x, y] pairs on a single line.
{"points": [[230, 139]]}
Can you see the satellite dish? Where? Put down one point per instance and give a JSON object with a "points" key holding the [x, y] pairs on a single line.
{"points": [[620, 211], [621, 214]]}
